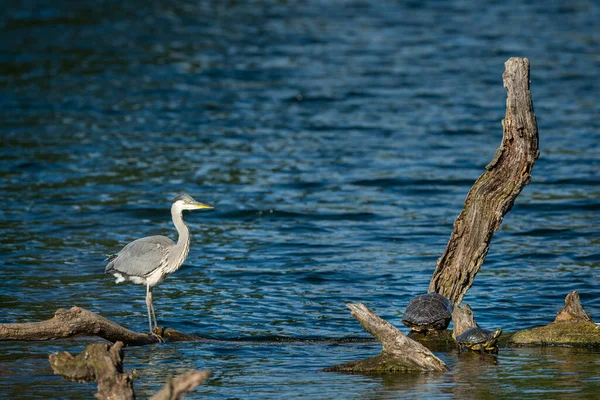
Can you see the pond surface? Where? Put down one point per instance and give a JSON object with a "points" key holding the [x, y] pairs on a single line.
{"points": [[337, 142]]}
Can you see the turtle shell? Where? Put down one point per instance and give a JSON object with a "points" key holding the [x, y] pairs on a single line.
{"points": [[479, 339], [427, 312]]}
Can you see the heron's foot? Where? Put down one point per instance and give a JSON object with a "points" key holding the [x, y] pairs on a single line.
{"points": [[158, 336], [159, 331]]}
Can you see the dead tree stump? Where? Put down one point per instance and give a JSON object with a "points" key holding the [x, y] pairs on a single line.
{"points": [[100, 362], [573, 310], [463, 320], [494, 193], [572, 326]]}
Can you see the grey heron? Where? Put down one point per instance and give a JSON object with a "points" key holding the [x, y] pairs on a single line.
{"points": [[149, 260]]}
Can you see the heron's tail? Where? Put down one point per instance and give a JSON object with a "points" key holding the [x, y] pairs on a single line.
{"points": [[109, 268]]}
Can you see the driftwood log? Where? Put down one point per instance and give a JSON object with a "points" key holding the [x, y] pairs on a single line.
{"points": [[399, 353], [99, 362], [572, 326], [80, 322], [494, 193], [103, 363]]}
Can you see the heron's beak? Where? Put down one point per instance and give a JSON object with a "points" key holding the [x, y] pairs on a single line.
{"points": [[202, 205]]}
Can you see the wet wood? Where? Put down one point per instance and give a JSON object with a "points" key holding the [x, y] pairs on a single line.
{"points": [[180, 385], [100, 362], [571, 333], [77, 322], [399, 353], [573, 310], [572, 327], [462, 320], [103, 363], [494, 193]]}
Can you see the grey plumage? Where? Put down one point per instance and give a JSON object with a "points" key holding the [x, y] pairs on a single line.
{"points": [[140, 257], [150, 260], [184, 197]]}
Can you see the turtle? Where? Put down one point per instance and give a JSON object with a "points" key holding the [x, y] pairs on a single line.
{"points": [[479, 339], [427, 312]]}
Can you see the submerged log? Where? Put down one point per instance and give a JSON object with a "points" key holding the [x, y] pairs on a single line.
{"points": [[180, 385], [399, 353], [80, 322], [103, 363], [571, 333], [494, 193], [572, 326], [100, 362]]}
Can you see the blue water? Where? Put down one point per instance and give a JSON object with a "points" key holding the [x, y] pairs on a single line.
{"points": [[337, 142]]}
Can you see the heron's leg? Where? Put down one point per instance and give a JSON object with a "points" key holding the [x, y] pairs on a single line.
{"points": [[149, 306], [152, 309]]}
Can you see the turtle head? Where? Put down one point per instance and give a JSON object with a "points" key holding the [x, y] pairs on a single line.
{"points": [[496, 334], [490, 344]]}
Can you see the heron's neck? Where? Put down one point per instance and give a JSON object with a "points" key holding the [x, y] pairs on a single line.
{"points": [[183, 243]]}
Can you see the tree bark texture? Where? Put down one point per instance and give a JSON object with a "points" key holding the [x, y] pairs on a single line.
{"points": [[103, 363], [463, 320], [494, 193], [572, 327], [573, 310], [399, 354], [180, 385], [80, 322], [99, 362]]}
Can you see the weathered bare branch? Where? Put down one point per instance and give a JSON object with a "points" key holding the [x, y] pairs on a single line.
{"points": [[399, 354], [494, 193], [80, 322], [573, 310], [103, 363], [180, 385], [99, 362]]}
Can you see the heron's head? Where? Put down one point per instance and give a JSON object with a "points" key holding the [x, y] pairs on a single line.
{"points": [[186, 202]]}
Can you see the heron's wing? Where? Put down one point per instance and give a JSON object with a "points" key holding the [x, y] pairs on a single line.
{"points": [[140, 257]]}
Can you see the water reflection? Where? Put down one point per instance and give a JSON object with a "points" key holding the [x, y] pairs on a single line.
{"points": [[404, 383]]}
